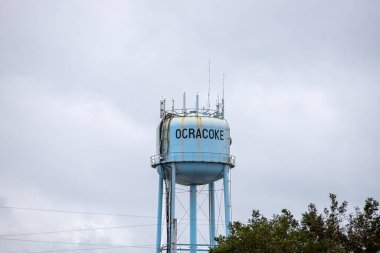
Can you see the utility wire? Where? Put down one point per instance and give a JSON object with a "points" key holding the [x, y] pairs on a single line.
{"points": [[76, 212], [75, 230], [83, 249], [80, 212], [61, 242]]}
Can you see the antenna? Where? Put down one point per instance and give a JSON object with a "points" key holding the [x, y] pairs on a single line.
{"points": [[197, 103], [223, 98], [223, 87], [209, 83], [184, 103], [162, 108], [217, 105]]}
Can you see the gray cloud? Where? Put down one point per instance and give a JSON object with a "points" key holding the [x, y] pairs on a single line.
{"points": [[80, 84]]}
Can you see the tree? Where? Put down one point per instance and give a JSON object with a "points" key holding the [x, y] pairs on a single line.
{"points": [[332, 231], [324, 232], [363, 229]]}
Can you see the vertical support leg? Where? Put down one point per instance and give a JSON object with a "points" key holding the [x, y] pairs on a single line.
{"points": [[227, 204], [159, 211], [193, 218], [211, 208], [175, 236], [172, 207]]}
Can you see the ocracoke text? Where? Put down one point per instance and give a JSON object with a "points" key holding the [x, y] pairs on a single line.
{"points": [[199, 133]]}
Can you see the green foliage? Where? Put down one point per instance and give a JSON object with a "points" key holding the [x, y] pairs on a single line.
{"points": [[332, 231]]}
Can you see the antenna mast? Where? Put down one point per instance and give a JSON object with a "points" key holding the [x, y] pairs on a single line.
{"points": [[223, 88], [223, 98], [184, 103], [209, 83]]}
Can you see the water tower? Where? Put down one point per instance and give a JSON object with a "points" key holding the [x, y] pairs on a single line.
{"points": [[193, 148]]}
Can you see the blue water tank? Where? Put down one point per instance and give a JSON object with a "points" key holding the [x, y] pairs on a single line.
{"points": [[198, 144]]}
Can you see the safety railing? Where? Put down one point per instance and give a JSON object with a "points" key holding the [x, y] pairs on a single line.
{"points": [[193, 112], [193, 157]]}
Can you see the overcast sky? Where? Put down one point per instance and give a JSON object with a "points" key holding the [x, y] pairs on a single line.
{"points": [[80, 84]]}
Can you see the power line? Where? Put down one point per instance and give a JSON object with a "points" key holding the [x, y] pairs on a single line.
{"points": [[116, 247], [70, 243], [76, 212], [82, 212], [87, 229], [75, 230]]}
